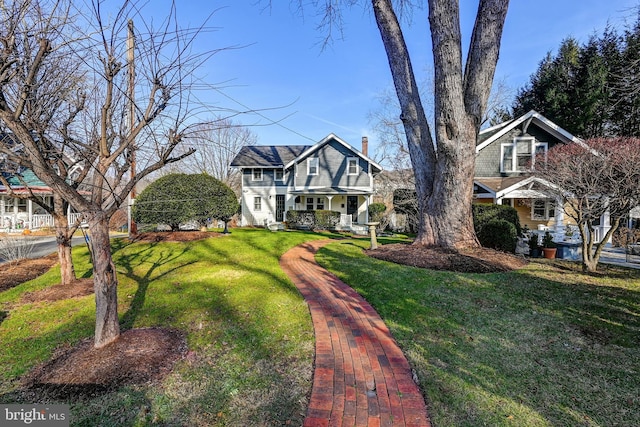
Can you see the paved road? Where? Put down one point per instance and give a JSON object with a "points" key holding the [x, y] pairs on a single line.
{"points": [[44, 245]]}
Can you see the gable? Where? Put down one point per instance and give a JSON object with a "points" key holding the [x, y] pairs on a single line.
{"points": [[338, 144], [532, 128]]}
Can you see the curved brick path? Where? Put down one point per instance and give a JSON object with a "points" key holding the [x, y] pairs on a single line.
{"points": [[361, 377]]}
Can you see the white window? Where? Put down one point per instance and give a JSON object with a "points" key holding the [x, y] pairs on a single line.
{"points": [[320, 203], [309, 203], [257, 204], [543, 209], [519, 155], [352, 166], [257, 175], [279, 174], [312, 166]]}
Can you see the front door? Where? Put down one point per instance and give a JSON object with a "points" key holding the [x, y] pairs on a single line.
{"points": [[352, 207], [279, 207]]}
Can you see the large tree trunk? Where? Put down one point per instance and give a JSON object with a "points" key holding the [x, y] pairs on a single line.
{"points": [[444, 170], [105, 282]]}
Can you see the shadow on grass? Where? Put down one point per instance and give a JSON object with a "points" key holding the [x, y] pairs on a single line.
{"points": [[496, 347], [155, 258]]}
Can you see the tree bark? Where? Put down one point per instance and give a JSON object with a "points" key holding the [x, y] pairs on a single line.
{"points": [[105, 281], [67, 271], [444, 171], [63, 239]]}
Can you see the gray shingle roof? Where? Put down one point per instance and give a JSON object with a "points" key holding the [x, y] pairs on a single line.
{"points": [[267, 155]]}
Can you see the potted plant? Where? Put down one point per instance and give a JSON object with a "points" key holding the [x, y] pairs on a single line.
{"points": [[534, 249], [548, 246]]}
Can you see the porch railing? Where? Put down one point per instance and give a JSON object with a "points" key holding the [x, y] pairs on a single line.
{"points": [[37, 221]]}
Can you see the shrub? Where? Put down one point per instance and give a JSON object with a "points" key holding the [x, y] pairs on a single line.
{"points": [[485, 213], [179, 198], [499, 234], [376, 211], [321, 219], [405, 202]]}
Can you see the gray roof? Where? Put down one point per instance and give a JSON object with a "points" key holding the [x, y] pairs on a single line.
{"points": [[257, 156]]}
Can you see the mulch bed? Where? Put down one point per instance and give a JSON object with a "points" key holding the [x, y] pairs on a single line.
{"points": [[17, 272], [174, 236], [477, 260], [138, 356]]}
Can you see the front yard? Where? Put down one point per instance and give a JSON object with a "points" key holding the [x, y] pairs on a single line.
{"points": [[541, 346]]}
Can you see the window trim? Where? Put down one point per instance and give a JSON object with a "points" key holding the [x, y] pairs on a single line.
{"points": [[534, 144], [549, 207], [309, 166], [257, 203], [320, 202], [253, 174], [275, 174], [356, 172]]}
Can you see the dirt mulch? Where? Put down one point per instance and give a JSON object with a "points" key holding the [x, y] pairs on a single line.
{"points": [[17, 272], [138, 356], [77, 288], [480, 260], [174, 236]]}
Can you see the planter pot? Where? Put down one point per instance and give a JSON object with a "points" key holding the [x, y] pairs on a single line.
{"points": [[535, 253], [549, 252]]}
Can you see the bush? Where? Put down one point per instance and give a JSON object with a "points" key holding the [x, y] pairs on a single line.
{"points": [[321, 219], [179, 198], [485, 213], [405, 202], [376, 211], [499, 234]]}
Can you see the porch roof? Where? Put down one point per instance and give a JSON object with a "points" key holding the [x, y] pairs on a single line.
{"points": [[332, 191], [514, 187]]}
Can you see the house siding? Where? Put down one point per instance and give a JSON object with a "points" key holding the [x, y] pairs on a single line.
{"points": [[332, 169], [268, 179], [488, 159]]}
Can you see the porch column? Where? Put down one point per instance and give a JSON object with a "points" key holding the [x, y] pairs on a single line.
{"points": [[559, 218], [329, 198], [29, 214]]}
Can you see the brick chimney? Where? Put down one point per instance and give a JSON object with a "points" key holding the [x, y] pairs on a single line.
{"points": [[365, 145]]}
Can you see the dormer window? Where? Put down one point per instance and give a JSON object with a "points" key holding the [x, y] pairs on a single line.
{"points": [[352, 166], [312, 166], [256, 175], [519, 155]]}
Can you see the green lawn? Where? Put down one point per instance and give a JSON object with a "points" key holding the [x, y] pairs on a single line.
{"points": [[245, 321], [538, 347]]}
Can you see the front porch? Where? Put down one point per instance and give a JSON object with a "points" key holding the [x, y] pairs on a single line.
{"points": [[17, 215], [536, 210]]}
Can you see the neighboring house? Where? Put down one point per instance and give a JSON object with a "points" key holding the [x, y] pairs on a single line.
{"points": [[17, 214], [504, 154], [330, 175]]}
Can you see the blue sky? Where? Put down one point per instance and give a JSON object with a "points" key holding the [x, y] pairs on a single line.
{"points": [[311, 92]]}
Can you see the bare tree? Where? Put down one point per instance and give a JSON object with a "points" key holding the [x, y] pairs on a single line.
{"points": [[443, 163], [99, 126], [216, 144], [598, 178]]}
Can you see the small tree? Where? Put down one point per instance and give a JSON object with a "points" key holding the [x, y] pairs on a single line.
{"points": [[176, 199], [593, 179]]}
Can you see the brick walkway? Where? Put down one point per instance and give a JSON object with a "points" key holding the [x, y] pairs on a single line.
{"points": [[361, 377]]}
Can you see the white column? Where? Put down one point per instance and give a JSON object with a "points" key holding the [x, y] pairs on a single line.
{"points": [[559, 218], [329, 199]]}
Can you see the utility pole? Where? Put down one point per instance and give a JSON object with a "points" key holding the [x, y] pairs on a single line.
{"points": [[133, 228]]}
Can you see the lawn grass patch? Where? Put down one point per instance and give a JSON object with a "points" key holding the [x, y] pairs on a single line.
{"points": [[248, 330], [543, 346]]}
